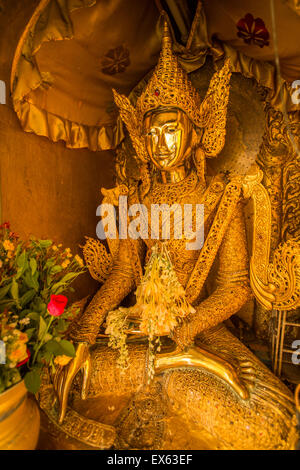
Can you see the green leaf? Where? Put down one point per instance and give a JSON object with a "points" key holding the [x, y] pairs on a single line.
{"points": [[46, 355], [62, 324], [68, 277], [47, 337], [34, 316], [4, 304], [31, 280], [61, 285], [39, 305], [57, 286], [49, 263], [53, 347], [15, 291], [45, 243], [25, 312], [4, 290], [56, 269], [32, 381], [42, 328], [35, 278], [19, 273], [28, 280], [27, 297], [33, 265], [21, 259], [18, 250], [67, 347], [30, 332], [58, 290]]}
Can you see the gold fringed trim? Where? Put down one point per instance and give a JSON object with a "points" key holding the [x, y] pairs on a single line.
{"points": [[75, 135], [26, 77], [40, 121]]}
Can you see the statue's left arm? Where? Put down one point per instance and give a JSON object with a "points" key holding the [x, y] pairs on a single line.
{"points": [[233, 289]]}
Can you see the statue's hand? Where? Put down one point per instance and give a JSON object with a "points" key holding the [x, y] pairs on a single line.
{"points": [[64, 376], [183, 335]]}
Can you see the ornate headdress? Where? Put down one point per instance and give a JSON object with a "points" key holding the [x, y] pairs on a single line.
{"points": [[171, 86]]}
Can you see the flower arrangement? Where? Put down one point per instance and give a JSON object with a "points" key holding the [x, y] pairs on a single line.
{"points": [[160, 304], [33, 313]]}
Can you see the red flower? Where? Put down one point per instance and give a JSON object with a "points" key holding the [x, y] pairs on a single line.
{"points": [[253, 31], [24, 360], [57, 305], [13, 235], [5, 225]]}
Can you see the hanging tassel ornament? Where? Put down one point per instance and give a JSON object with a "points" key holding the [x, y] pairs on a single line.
{"points": [[160, 305]]}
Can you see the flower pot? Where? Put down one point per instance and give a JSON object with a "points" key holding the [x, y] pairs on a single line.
{"points": [[19, 419]]}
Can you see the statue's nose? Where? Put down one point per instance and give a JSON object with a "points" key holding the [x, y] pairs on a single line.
{"points": [[162, 144]]}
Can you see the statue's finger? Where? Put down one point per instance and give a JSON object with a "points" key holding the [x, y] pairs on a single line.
{"points": [[56, 378], [66, 385], [60, 383], [86, 379]]}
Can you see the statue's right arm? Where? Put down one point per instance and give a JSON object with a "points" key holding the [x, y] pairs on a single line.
{"points": [[119, 284], [84, 330]]}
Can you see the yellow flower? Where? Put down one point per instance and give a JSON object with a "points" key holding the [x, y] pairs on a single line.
{"points": [[23, 338], [54, 248], [1, 263], [65, 263], [62, 360], [19, 354], [79, 261], [8, 245]]}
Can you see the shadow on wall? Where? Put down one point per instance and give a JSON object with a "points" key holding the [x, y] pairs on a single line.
{"points": [[47, 190]]}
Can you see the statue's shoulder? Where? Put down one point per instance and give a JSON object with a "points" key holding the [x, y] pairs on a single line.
{"points": [[223, 183], [217, 183], [112, 195]]}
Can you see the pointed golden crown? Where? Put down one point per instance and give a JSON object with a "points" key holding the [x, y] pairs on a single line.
{"points": [[170, 86]]}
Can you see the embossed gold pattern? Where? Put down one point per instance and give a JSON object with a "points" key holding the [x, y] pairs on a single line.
{"points": [[206, 379]]}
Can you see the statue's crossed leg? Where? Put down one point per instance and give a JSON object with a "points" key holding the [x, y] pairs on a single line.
{"points": [[198, 357], [192, 357]]}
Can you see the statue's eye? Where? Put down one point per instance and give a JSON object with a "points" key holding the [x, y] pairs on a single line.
{"points": [[152, 132], [171, 130]]}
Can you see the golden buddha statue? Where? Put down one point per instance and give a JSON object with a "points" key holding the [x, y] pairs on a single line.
{"points": [[209, 391]]}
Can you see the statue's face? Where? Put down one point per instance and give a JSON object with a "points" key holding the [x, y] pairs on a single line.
{"points": [[168, 138]]}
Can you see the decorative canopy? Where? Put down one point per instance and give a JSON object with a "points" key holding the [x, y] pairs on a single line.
{"points": [[73, 52]]}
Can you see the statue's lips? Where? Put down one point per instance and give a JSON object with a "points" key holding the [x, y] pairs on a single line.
{"points": [[165, 156]]}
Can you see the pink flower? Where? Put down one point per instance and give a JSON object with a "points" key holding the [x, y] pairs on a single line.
{"points": [[57, 305]]}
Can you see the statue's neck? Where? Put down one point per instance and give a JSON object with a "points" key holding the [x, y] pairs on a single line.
{"points": [[173, 176]]}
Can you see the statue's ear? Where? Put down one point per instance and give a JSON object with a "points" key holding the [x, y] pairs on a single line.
{"points": [[197, 135], [129, 117], [216, 100]]}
